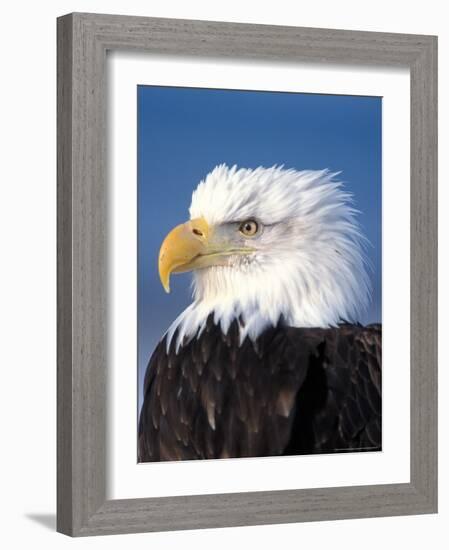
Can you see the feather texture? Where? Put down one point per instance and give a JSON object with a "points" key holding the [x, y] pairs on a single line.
{"points": [[292, 391], [308, 265]]}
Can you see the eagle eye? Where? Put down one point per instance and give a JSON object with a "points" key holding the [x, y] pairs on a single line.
{"points": [[249, 228]]}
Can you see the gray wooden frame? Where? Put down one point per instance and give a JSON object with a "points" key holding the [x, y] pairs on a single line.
{"points": [[83, 40]]}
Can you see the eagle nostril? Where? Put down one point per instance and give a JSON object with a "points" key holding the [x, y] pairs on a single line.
{"points": [[197, 232]]}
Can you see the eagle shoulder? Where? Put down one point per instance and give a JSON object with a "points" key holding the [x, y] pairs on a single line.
{"points": [[291, 391]]}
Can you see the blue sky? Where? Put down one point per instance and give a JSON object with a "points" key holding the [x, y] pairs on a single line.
{"points": [[183, 133]]}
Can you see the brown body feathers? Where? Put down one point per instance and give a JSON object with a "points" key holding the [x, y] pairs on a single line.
{"points": [[292, 391]]}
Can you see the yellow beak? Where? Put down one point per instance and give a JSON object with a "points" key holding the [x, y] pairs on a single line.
{"points": [[183, 249], [195, 245]]}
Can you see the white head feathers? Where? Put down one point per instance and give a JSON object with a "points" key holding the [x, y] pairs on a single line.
{"points": [[308, 267]]}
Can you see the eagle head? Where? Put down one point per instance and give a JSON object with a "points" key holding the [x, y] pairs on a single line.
{"points": [[265, 245]]}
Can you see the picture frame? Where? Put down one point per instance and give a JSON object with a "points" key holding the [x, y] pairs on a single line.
{"points": [[83, 41]]}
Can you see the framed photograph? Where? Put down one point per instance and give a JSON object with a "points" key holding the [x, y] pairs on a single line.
{"points": [[247, 282]]}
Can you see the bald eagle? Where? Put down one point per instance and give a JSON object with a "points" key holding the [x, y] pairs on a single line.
{"points": [[268, 359]]}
